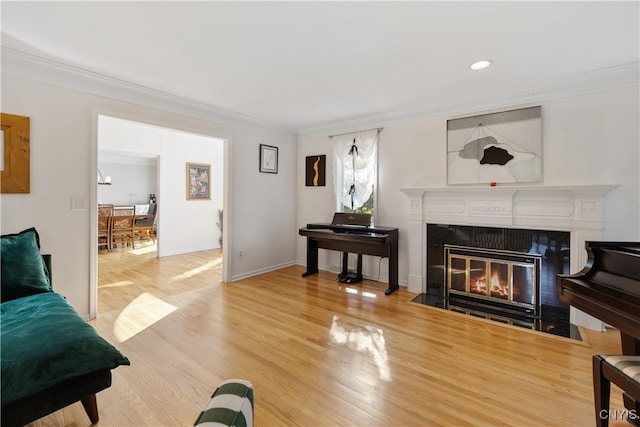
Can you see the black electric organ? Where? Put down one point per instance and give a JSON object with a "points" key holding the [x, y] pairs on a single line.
{"points": [[352, 233]]}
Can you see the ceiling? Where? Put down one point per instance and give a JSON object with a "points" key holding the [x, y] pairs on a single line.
{"points": [[305, 64]]}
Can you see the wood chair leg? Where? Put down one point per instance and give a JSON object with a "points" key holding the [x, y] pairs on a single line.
{"points": [[601, 393], [91, 408]]}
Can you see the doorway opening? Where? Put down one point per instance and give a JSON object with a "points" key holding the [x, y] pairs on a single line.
{"points": [[145, 167]]}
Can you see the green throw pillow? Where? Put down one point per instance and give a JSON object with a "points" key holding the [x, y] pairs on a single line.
{"points": [[23, 270]]}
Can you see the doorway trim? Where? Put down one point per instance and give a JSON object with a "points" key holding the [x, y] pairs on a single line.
{"points": [[164, 120]]}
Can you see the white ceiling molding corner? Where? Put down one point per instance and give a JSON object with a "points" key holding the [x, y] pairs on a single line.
{"points": [[32, 67]]}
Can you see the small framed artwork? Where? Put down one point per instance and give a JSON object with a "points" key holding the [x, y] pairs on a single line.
{"points": [[316, 170], [198, 181], [268, 158]]}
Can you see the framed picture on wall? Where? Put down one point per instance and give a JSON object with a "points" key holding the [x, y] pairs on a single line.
{"points": [[503, 147], [198, 181], [14, 154], [268, 158], [315, 172]]}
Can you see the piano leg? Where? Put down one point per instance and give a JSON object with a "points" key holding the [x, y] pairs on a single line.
{"points": [[345, 275], [345, 264], [312, 258], [393, 269], [391, 289]]}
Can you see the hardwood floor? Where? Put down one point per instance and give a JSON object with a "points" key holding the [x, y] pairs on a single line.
{"points": [[320, 353]]}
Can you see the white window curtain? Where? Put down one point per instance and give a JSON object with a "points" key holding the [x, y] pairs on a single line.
{"points": [[355, 168]]}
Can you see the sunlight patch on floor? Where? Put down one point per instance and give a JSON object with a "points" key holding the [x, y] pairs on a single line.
{"points": [[360, 292], [116, 284], [143, 250], [197, 270], [140, 314], [367, 340]]}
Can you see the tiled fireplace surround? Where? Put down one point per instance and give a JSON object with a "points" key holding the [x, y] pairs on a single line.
{"points": [[573, 209]]}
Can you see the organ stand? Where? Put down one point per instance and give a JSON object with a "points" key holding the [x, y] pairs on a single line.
{"points": [[351, 233]]}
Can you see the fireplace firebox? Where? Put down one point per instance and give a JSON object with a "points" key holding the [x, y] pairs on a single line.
{"points": [[506, 275], [497, 280]]}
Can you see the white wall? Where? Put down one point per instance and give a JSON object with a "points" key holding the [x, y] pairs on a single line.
{"points": [[587, 140], [131, 182], [261, 207]]}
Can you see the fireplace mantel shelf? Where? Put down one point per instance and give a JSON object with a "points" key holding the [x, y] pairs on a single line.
{"points": [[544, 207], [503, 190]]}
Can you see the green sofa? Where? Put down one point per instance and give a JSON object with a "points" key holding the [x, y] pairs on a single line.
{"points": [[50, 356]]}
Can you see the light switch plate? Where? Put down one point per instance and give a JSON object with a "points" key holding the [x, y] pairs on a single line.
{"points": [[79, 203]]}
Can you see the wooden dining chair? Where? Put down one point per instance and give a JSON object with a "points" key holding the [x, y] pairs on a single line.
{"points": [[104, 226], [122, 222], [144, 224]]}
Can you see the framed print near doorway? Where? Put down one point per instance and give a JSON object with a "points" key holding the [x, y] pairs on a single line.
{"points": [[198, 184]]}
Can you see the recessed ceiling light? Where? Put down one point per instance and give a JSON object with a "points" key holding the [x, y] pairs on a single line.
{"points": [[480, 64]]}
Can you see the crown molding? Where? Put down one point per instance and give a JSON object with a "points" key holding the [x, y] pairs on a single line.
{"points": [[44, 70], [604, 79], [37, 68]]}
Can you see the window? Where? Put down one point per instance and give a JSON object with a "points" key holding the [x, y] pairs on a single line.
{"points": [[355, 171]]}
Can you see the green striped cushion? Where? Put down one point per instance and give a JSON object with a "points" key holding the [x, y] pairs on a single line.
{"points": [[629, 365], [230, 405]]}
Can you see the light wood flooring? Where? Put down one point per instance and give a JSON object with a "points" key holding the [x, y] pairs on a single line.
{"points": [[320, 353]]}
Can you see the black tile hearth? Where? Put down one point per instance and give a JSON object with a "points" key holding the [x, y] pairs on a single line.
{"points": [[552, 320]]}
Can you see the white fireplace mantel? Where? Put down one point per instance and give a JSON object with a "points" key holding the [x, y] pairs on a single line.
{"points": [[575, 209]]}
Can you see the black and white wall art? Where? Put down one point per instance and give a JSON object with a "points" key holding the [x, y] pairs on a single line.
{"points": [[504, 147]]}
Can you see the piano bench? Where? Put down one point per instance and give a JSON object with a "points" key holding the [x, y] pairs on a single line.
{"points": [[624, 372]]}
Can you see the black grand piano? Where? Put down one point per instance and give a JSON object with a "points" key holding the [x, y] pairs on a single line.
{"points": [[352, 233], [608, 288]]}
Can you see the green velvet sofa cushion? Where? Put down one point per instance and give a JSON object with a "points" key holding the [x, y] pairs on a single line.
{"points": [[44, 341], [22, 268]]}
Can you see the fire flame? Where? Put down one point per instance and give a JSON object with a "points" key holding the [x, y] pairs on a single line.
{"points": [[496, 288], [479, 286]]}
